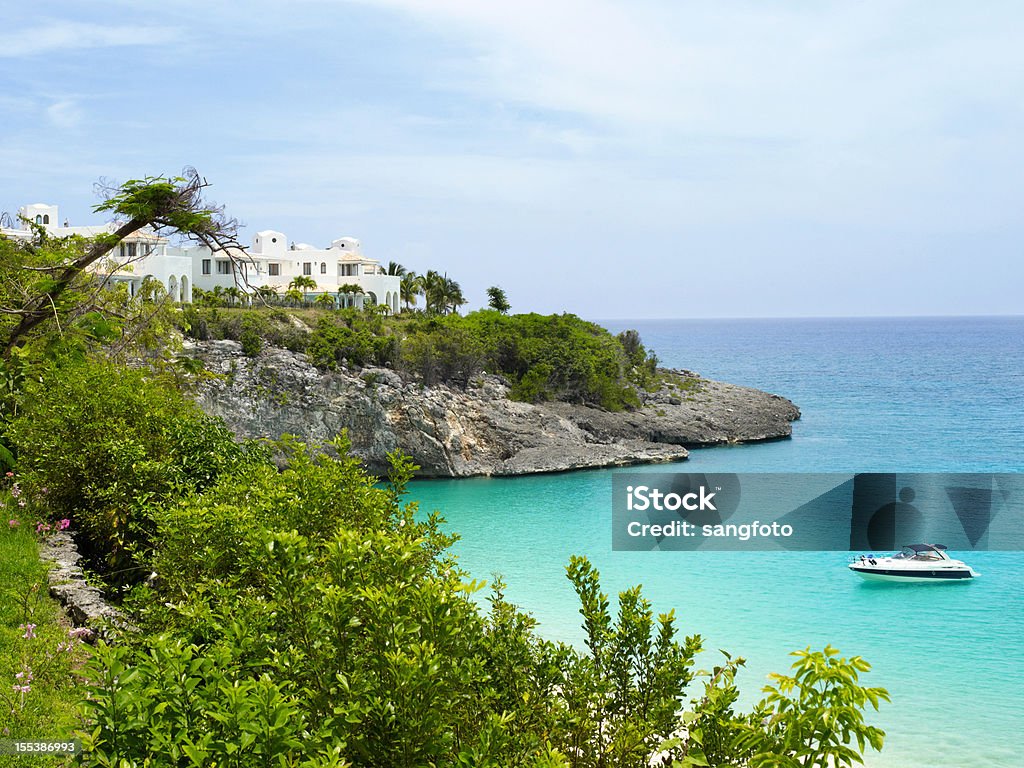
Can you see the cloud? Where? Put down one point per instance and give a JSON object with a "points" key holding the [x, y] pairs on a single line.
{"points": [[67, 35], [835, 70], [65, 114]]}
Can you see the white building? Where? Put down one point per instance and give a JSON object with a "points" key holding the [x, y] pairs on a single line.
{"points": [[272, 263], [140, 256]]}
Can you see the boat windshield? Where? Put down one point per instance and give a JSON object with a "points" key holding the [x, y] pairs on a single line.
{"points": [[923, 552]]}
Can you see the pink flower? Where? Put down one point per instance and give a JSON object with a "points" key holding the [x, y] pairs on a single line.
{"points": [[13, 523], [22, 688], [63, 525], [30, 631], [10, 474], [15, 490], [42, 528], [44, 490], [80, 633]]}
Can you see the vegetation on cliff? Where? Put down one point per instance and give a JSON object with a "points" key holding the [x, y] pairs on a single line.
{"points": [[545, 357]]}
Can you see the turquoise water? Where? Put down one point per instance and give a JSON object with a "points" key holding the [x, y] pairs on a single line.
{"points": [[877, 395]]}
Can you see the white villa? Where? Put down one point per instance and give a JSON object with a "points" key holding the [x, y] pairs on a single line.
{"points": [[270, 263], [141, 255]]}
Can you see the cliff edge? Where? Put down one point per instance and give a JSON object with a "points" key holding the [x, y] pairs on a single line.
{"points": [[480, 431]]}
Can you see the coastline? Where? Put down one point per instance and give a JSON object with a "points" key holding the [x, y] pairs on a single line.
{"points": [[478, 431]]}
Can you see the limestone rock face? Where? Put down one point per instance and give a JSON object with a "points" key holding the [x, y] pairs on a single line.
{"points": [[479, 431], [83, 603]]}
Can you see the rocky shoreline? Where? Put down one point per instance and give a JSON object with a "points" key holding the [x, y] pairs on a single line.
{"points": [[454, 433]]}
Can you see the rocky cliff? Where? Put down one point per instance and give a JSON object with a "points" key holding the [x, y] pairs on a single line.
{"points": [[479, 431]]}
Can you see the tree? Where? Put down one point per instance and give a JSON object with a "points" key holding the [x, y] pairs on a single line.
{"points": [[325, 300], [160, 203], [235, 296], [497, 300], [394, 268], [348, 290], [452, 297], [264, 293], [443, 294], [432, 285], [411, 287], [303, 283]]}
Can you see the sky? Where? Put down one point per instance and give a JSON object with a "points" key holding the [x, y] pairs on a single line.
{"points": [[642, 159]]}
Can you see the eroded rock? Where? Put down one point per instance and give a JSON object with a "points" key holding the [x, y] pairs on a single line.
{"points": [[480, 431]]}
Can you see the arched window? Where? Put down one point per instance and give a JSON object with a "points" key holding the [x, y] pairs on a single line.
{"points": [[46, 219], [39, 218], [323, 267]]}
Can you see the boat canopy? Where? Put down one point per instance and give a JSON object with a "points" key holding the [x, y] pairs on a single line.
{"points": [[924, 552]]}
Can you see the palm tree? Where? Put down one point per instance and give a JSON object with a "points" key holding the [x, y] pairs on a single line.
{"points": [[394, 268], [265, 293], [452, 297], [411, 288], [325, 300], [347, 290], [304, 283], [432, 284], [294, 296]]}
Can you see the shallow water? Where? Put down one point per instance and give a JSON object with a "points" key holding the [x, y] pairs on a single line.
{"points": [[877, 395]]}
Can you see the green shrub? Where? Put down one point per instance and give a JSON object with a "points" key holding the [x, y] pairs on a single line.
{"points": [[104, 446], [250, 338], [351, 337], [309, 615], [546, 357], [443, 352], [252, 326], [211, 537]]}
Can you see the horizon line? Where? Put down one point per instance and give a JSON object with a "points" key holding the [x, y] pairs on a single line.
{"points": [[966, 316]]}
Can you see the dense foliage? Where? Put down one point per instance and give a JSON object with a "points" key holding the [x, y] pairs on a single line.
{"points": [[545, 357], [254, 327], [309, 617], [103, 445]]}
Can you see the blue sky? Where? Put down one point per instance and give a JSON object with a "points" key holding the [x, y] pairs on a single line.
{"points": [[641, 159]]}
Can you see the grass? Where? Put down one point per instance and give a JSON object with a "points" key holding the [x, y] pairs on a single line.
{"points": [[48, 710]]}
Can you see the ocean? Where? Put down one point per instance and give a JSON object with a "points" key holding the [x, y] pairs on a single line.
{"points": [[877, 395]]}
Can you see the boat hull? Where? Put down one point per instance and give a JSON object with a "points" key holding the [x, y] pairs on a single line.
{"points": [[932, 576]]}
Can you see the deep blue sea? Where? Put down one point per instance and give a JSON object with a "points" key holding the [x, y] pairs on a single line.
{"points": [[877, 395]]}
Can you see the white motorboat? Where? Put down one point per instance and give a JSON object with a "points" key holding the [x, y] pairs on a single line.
{"points": [[915, 563]]}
